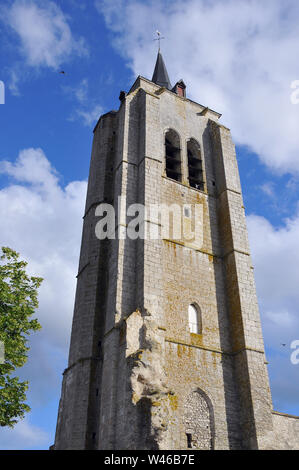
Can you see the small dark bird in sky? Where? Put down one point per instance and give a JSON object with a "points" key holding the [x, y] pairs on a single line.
{"points": [[283, 344], [63, 72]]}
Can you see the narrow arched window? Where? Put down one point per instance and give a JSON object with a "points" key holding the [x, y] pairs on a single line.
{"points": [[195, 170], [194, 318], [173, 155]]}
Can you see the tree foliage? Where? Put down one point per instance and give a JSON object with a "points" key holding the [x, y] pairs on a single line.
{"points": [[18, 302]]}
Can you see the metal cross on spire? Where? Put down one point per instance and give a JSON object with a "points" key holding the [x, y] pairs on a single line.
{"points": [[159, 38]]}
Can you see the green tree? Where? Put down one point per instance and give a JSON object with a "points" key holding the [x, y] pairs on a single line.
{"points": [[18, 301]]}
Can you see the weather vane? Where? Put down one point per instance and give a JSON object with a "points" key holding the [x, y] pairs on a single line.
{"points": [[159, 38]]}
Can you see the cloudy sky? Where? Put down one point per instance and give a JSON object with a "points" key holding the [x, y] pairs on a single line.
{"points": [[238, 57]]}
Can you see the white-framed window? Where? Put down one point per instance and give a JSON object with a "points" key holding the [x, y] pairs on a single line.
{"points": [[194, 319]]}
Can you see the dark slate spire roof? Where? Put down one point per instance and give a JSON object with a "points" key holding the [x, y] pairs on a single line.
{"points": [[160, 76]]}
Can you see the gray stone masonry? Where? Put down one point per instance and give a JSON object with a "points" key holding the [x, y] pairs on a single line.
{"points": [[137, 377]]}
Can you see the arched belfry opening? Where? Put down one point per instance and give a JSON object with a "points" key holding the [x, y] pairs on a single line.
{"points": [[198, 421], [195, 169], [173, 155]]}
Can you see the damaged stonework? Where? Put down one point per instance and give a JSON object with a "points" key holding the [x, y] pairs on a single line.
{"points": [[150, 394]]}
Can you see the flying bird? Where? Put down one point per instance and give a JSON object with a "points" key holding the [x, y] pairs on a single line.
{"points": [[63, 72]]}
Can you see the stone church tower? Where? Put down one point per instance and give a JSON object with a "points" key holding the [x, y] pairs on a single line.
{"points": [[166, 349]]}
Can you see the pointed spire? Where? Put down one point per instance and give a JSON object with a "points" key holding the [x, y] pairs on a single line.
{"points": [[160, 76]]}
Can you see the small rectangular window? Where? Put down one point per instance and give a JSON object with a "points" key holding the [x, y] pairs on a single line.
{"points": [[187, 211], [189, 440]]}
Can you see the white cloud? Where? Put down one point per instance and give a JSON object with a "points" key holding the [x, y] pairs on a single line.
{"points": [[81, 91], [87, 111], [31, 167], [236, 58], [276, 259], [13, 83], [89, 116], [283, 317], [44, 33], [268, 189], [43, 221], [23, 436], [78, 92]]}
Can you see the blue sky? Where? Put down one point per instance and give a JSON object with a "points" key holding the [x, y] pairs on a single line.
{"points": [[238, 61]]}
